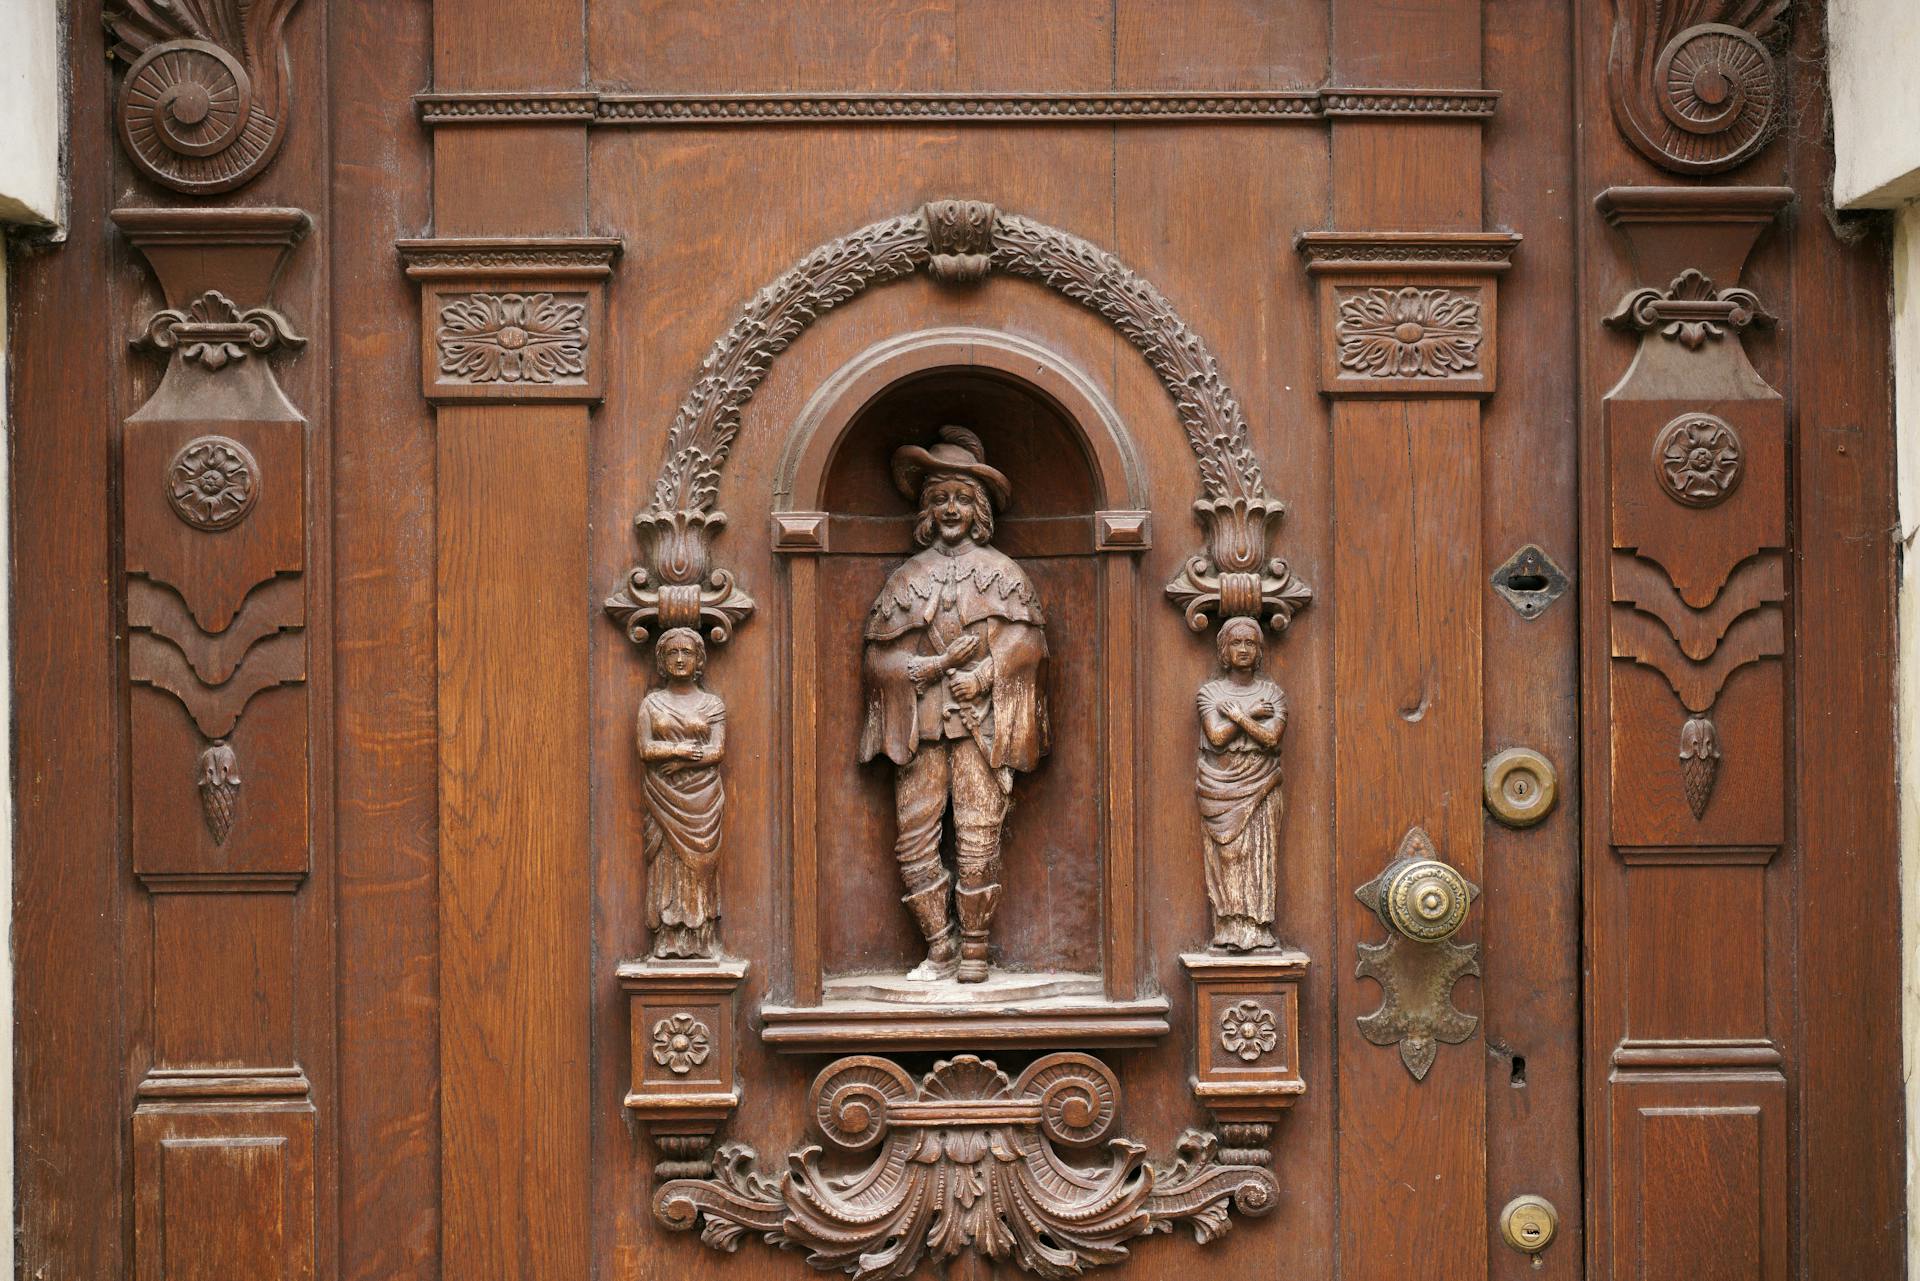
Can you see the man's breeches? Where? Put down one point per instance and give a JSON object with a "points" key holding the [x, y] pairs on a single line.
{"points": [[941, 770]]}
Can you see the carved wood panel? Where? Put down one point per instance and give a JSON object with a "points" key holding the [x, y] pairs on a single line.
{"points": [[449, 934]]}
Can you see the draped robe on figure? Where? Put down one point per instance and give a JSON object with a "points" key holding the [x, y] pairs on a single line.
{"points": [[684, 800], [1240, 805]]}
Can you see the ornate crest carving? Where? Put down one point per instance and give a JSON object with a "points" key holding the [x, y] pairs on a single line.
{"points": [[1697, 85], [213, 331], [203, 105], [966, 1161]]}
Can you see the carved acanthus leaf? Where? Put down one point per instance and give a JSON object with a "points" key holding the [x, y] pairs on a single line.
{"points": [[213, 330], [1689, 310], [965, 1161]]}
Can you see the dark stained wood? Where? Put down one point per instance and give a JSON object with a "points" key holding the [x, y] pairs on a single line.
{"points": [[386, 755]]}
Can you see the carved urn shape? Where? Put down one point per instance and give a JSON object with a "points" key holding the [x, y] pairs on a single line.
{"points": [[1237, 530], [676, 544]]}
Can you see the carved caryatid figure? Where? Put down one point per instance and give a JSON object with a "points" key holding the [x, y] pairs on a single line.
{"points": [[1242, 716], [955, 650], [682, 732]]}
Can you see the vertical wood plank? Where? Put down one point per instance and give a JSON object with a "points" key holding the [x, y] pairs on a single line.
{"points": [[514, 956], [1118, 578], [1406, 592], [804, 838]]}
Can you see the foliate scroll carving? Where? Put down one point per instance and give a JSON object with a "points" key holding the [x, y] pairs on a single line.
{"points": [[947, 238], [213, 331], [1697, 84], [1408, 332], [510, 338], [203, 105], [966, 1161], [1689, 310]]}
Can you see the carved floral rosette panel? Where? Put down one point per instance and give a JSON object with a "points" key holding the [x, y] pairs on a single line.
{"points": [[512, 319], [965, 1160], [1699, 534]]}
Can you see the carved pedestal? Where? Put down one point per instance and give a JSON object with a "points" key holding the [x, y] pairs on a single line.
{"points": [[1246, 1050], [684, 1084]]}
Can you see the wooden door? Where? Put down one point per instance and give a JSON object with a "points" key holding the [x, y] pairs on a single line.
{"points": [[969, 639]]}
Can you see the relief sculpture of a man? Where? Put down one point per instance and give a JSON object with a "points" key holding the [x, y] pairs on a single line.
{"points": [[955, 655]]}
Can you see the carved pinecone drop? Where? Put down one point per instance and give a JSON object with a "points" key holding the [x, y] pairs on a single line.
{"points": [[1699, 761], [219, 787]]}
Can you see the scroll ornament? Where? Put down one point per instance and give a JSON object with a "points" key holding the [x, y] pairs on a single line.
{"points": [[204, 103], [966, 1160], [1697, 85]]}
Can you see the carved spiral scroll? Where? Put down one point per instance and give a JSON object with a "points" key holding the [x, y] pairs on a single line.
{"points": [[1696, 84], [709, 418], [203, 105]]}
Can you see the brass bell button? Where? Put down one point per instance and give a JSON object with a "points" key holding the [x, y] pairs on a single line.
{"points": [[1521, 786], [1426, 900], [1528, 1223]]}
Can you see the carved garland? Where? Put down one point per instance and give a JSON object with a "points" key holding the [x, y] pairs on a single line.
{"points": [[957, 242]]}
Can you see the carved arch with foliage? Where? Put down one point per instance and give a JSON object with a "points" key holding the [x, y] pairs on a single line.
{"points": [[958, 242]]}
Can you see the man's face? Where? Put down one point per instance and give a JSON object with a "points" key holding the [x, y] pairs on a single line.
{"points": [[951, 500]]}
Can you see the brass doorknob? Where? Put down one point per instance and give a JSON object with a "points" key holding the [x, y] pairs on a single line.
{"points": [[1528, 1223], [1426, 900]]}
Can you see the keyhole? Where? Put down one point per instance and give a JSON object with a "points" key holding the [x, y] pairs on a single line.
{"points": [[1527, 582]]}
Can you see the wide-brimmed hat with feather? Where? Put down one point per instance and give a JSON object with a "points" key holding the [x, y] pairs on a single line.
{"points": [[959, 452]]}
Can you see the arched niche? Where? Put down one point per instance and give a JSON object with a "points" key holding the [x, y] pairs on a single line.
{"points": [[1077, 522]]}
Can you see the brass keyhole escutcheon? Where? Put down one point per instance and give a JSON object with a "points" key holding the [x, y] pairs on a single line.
{"points": [[1521, 786], [1528, 1223]]}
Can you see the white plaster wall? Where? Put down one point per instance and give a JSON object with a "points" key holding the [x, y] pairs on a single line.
{"points": [[1874, 69], [30, 83], [1874, 47]]}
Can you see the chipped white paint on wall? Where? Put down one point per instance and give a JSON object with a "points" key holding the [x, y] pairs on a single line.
{"points": [[30, 84], [1874, 49]]}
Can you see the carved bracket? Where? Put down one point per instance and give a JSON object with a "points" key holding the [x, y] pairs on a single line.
{"points": [[684, 1071], [1246, 1043], [1422, 901], [966, 1161], [204, 103]]}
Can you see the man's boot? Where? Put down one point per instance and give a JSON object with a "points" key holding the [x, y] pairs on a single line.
{"points": [[929, 908], [976, 914]]}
